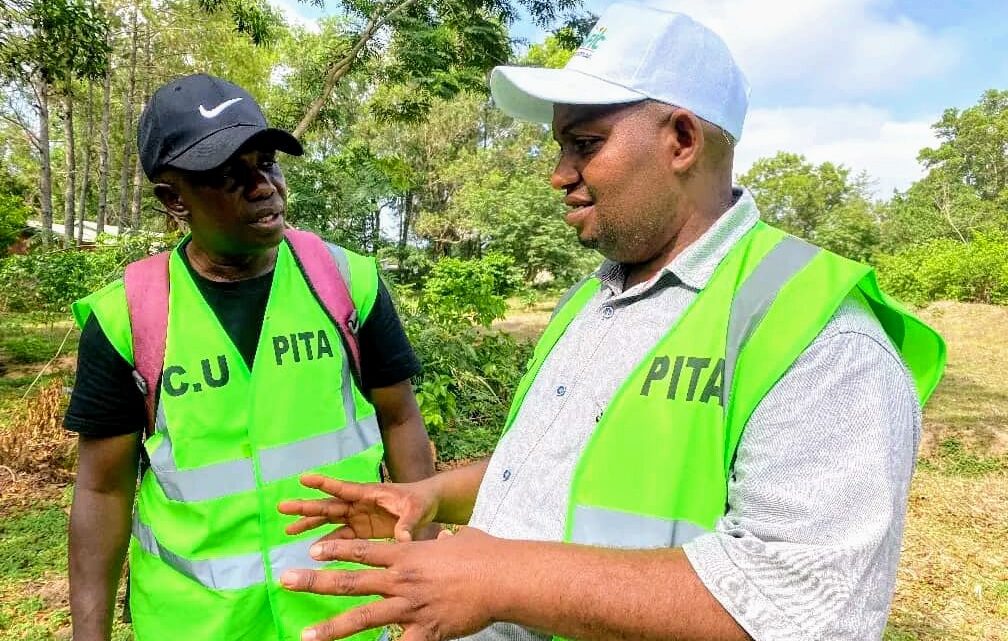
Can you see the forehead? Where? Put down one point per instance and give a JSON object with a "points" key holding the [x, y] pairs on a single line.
{"points": [[566, 117]]}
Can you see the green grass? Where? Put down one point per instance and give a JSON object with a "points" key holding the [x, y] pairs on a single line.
{"points": [[33, 543]]}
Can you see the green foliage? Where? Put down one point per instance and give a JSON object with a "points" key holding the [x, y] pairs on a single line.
{"points": [[966, 189], [57, 40], [469, 376], [256, 19], [943, 269], [469, 291], [470, 371], [13, 219], [823, 204], [973, 146], [51, 280]]}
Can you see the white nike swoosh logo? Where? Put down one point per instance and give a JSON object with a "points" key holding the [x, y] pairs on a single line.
{"points": [[216, 111]]}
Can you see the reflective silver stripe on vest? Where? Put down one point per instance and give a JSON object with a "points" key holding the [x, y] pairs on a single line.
{"points": [[226, 573], [757, 293], [200, 483], [295, 458], [342, 263], [231, 572], [280, 462], [616, 529]]}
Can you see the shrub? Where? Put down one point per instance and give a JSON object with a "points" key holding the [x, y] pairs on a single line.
{"points": [[944, 269], [470, 291], [50, 279], [470, 371]]}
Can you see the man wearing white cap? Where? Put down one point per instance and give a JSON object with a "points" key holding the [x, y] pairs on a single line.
{"points": [[716, 433]]}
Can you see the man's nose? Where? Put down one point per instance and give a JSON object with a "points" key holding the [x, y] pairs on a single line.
{"points": [[565, 174], [260, 186]]}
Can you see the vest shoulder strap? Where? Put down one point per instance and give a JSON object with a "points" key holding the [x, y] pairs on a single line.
{"points": [[146, 285], [147, 288]]}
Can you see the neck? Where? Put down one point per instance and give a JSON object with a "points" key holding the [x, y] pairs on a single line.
{"points": [[698, 215], [221, 267]]}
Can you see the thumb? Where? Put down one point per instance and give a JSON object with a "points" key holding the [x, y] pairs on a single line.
{"points": [[409, 520]]}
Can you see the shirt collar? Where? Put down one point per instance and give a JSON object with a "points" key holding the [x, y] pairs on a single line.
{"points": [[696, 264]]}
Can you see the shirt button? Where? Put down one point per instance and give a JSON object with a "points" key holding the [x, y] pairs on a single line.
{"points": [[561, 390], [507, 474], [607, 311]]}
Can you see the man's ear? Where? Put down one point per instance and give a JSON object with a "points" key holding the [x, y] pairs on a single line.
{"points": [[172, 200], [684, 137]]}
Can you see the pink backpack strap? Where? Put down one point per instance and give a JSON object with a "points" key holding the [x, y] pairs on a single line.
{"points": [[327, 274], [146, 284]]}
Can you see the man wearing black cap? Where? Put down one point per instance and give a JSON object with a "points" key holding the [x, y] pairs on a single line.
{"points": [[257, 380]]}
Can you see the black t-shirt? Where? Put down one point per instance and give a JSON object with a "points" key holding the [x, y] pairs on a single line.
{"points": [[106, 401]]}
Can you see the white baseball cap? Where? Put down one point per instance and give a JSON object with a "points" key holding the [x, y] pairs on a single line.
{"points": [[634, 53]]}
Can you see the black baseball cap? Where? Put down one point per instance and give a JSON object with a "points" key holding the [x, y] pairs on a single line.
{"points": [[197, 122]]}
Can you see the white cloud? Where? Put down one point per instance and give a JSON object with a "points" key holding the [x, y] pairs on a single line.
{"points": [[829, 49], [294, 12], [860, 137]]}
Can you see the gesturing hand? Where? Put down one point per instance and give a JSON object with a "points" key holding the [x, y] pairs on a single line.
{"points": [[367, 510], [434, 589]]}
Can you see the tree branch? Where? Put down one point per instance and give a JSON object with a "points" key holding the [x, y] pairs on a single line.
{"points": [[341, 67]]}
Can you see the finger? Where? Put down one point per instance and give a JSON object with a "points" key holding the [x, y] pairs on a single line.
{"points": [[331, 508], [344, 490], [338, 582], [306, 523], [373, 553], [345, 533], [365, 617], [444, 534]]}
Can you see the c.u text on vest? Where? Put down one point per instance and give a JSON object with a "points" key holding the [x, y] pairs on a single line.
{"points": [[686, 378], [174, 381]]}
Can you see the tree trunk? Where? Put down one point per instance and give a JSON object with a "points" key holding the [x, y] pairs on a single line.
{"points": [[86, 177], [138, 169], [70, 186], [137, 192], [45, 160], [103, 154], [128, 139], [405, 221]]}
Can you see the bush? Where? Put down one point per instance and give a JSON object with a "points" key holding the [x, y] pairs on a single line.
{"points": [[944, 269], [50, 279], [469, 291], [470, 371]]}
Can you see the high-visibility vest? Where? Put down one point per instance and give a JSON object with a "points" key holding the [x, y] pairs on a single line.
{"points": [[208, 545], [654, 473]]}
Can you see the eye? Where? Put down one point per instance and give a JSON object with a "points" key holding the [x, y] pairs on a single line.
{"points": [[586, 145]]}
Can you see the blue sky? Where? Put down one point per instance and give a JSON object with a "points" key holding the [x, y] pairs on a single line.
{"points": [[853, 81]]}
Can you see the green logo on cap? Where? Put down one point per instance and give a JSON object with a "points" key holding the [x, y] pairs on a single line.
{"points": [[591, 42]]}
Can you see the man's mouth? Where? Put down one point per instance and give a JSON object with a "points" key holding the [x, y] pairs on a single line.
{"points": [[268, 220], [577, 214]]}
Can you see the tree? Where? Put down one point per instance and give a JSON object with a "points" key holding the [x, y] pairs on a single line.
{"points": [[823, 203], [974, 146], [48, 44], [966, 188]]}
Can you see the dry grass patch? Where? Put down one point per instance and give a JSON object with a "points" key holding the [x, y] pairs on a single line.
{"points": [[33, 442]]}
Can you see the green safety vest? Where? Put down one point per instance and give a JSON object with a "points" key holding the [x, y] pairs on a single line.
{"points": [[208, 544], [654, 473]]}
